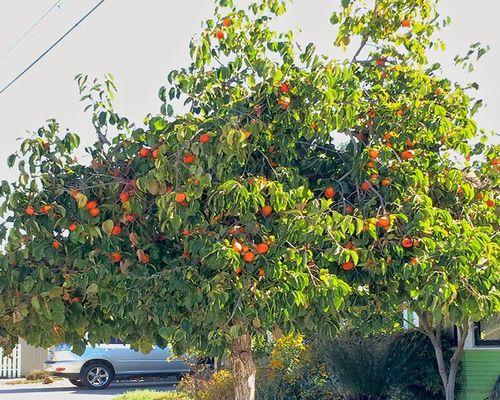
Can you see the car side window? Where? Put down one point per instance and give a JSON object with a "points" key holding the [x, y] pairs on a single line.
{"points": [[114, 340]]}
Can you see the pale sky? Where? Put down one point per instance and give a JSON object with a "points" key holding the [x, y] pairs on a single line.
{"points": [[141, 41]]}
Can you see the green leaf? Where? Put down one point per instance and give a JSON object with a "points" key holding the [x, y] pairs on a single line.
{"points": [[35, 303], [107, 226]]}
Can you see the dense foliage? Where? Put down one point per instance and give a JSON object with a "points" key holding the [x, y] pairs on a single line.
{"points": [[292, 191], [396, 366]]}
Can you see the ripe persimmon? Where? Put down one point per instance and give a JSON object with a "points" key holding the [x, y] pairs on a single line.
{"points": [[180, 197], [262, 272], [124, 196], [490, 203], [366, 185], [145, 152], [155, 153], [91, 205], [348, 265], [407, 155], [117, 229], [370, 164], [144, 258], [284, 87], [226, 22], [205, 138], [349, 209], [407, 243], [262, 248], [115, 257], [249, 257], [385, 182], [94, 212], [219, 34], [495, 162], [45, 208], [373, 154], [406, 23], [266, 211], [329, 192], [72, 227], [30, 210], [383, 222], [56, 245], [189, 158]]}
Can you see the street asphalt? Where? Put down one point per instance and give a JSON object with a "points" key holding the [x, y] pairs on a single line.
{"points": [[64, 390]]}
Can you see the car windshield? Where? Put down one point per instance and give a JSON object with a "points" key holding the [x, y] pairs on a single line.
{"points": [[63, 347]]}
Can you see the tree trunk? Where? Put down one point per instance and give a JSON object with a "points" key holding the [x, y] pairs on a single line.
{"points": [[244, 370], [455, 360], [448, 377]]}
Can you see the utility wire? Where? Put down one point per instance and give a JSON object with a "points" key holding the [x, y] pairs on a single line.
{"points": [[52, 46], [30, 29]]}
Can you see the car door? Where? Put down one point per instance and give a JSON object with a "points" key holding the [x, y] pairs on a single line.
{"points": [[125, 360], [159, 361]]}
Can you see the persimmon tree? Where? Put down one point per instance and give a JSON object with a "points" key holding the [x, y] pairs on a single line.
{"points": [[289, 191], [441, 173]]}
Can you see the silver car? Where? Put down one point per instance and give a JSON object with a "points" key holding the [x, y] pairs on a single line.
{"points": [[99, 365]]}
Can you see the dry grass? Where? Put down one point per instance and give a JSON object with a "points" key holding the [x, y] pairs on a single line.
{"points": [[34, 377]]}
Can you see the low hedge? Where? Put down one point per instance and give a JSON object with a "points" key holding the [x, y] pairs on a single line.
{"points": [[152, 395]]}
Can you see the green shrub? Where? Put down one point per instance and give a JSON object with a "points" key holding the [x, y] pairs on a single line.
{"points": [[292, 372], [381, 367], [219, 386], [152, 395]]}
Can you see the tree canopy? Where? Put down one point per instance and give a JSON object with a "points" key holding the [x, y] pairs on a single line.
{"points": [[292, 191]]}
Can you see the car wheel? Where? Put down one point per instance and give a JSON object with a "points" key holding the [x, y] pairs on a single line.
{"points": [[76, 382], [97, 376]]}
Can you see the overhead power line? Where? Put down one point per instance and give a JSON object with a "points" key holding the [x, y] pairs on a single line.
{"points": [[30, 29], [52, 46]]}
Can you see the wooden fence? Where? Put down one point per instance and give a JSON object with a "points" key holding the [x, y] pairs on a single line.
{"points": [[10, 367]]}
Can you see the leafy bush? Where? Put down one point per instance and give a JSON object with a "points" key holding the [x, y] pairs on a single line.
{"points": [[152, 395], [219, 386], [292, 372], [380, 367]]}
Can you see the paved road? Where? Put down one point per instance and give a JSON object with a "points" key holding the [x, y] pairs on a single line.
{"points": [[63, 390]]}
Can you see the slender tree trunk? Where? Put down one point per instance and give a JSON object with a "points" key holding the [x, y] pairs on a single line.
{"points": [[455, 361], [244, 370], [448, 377]]}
